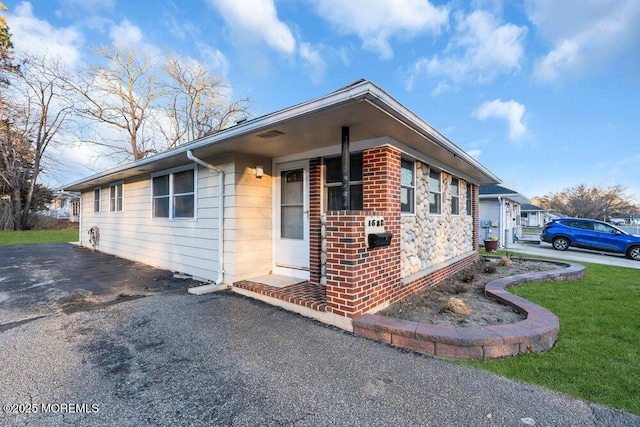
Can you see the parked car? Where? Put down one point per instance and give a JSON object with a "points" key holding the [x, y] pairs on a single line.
{"points": [[590, 234]]}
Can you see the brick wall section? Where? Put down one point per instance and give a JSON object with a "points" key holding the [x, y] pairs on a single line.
{"points": [[315, 206], [360, 278]]}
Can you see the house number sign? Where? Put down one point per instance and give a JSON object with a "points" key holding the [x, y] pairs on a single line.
{"points": [[373, 224]]}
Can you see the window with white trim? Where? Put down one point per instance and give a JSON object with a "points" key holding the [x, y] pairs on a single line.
{"points": [[435, 193], [174, 194], [407, 186], [96, 199], [115, 197], [469, 205], [455, 196], [333, 183]]}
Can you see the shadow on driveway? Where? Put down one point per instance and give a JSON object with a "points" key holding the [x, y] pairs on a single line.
{"points": [[40, 280]]}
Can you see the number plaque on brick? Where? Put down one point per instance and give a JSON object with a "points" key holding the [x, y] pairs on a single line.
{"points": [[373, 224]]}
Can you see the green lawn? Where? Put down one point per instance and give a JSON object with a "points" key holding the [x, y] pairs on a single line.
{"points": [[38, 236], [597, 356]]}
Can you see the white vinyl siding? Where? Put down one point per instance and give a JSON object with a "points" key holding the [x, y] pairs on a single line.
{"points": [[186, 246], [191, 246]]}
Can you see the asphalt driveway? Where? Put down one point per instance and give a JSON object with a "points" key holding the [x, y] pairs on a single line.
{"points": [[42, 280], [171, 358]]}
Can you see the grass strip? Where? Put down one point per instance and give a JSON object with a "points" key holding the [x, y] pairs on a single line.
{"points": [[598, 349], [38, 236]]}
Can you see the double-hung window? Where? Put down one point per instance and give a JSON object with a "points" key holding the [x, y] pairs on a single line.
{"points": [[455, 196], [174, 194], [407, 186], [115, 197], [96, 199], [333, 183], [435, 193]]}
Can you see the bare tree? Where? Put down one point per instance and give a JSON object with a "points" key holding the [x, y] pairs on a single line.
{"points": [[45, 109], [198, 102], [157, 104], [588, 202], [16, 157], [120, 94]]}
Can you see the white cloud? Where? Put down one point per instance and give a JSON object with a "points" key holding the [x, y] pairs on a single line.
{"points": [[256, 20], [126, 34], [214, 59], [38, 37], [481, 49], [313, 62], [597, 32], [376, 21], [511, 111]]}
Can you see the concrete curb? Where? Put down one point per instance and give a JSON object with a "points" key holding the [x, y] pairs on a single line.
{"points": [[538, 332]]}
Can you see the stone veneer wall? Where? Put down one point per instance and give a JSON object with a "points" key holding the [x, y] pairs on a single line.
{"points": [[428, 239]]}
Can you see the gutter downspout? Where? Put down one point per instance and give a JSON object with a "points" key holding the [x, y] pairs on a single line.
{"points": [[217, 285], [500, 215]]}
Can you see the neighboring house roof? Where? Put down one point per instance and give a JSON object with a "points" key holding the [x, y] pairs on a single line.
{"points": [[531, 208], [368, 110], [494, 191], [61, 194]]}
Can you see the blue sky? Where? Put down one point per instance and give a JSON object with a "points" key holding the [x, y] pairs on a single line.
{"points": [[544, 93]]}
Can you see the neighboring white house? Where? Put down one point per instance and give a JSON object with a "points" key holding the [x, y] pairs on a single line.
{"points": [[500, 214], [65, 205], [532, 215], [271, 197]]}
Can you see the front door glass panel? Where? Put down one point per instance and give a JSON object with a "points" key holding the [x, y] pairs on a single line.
{"points": [[292, 204]]}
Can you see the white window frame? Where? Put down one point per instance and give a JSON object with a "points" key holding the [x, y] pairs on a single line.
{"points": [[437, 193], [97, 201], [469, 201], [113, 200], [172, 195], [455, 198], [411, 188]]}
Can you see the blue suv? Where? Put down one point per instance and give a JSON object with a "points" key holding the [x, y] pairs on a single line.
{"points": [[590, 234]]}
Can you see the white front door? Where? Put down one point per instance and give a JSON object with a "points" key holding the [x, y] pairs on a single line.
{"points": [[291, 231]]}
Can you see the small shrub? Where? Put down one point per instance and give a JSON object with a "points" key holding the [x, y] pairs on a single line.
{"points": [[456, 306], [460, 288], [469, 277], [490, 269], [505, 261]]}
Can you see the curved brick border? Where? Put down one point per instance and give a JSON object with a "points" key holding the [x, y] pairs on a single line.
{"points": [[538, 332]]}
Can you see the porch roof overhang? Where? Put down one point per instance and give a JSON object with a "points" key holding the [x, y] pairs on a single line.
{"points": [[369, 111]]}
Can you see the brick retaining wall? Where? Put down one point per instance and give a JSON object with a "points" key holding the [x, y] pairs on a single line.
{"points": [[538, 332]]}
